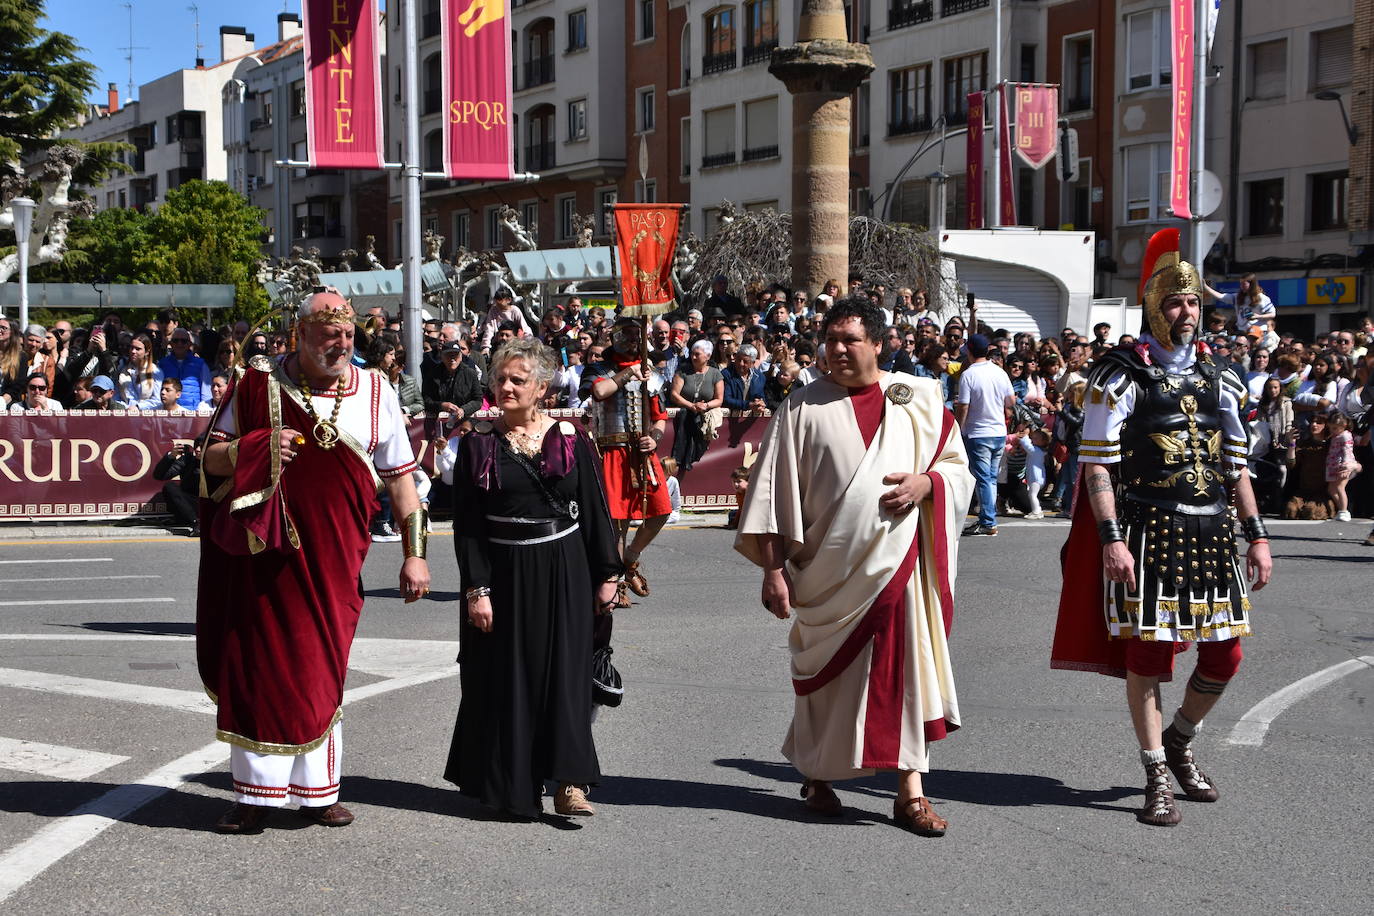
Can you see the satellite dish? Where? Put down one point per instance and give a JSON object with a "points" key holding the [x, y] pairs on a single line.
{"points": [[1208, 193]]}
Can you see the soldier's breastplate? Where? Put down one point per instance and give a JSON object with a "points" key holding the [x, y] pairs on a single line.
{"points": [[1171, 442], [620, 418]]}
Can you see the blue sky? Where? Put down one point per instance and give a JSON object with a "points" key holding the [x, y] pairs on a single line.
{"points": [[165, 29]]}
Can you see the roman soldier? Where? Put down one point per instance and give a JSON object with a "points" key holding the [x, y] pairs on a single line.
{"points": [[1151, 565], [624, 396]]}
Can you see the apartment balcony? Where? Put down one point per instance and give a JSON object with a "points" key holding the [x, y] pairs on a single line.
{"points": [[759, 53], [900, 15], [718, 63], [716, 160], [759, 153], [538, 72], [318, 183], [908, 126], [955, 7], [539, 157]]}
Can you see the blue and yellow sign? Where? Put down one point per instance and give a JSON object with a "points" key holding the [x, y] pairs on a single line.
{"points": [[1306, 291]]}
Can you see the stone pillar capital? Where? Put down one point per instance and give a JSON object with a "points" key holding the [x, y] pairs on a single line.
{"points": [[822, 65]]}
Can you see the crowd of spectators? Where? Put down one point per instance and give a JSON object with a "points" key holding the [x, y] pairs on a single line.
{"points": [[745, 352]]}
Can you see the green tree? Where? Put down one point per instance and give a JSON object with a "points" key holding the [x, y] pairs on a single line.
{"points": [[107, 247], [206, 232], [44, 85]]}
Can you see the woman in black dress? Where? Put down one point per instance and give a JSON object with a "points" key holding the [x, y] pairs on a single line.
{"points": [[539, 562]]}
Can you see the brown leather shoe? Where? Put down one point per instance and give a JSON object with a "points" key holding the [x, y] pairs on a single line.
{"points": [[919, 817], [335, 815], [635, 579], [571, 801], [243, 820], [821, 799], [1160, 809], [1178, 754]]}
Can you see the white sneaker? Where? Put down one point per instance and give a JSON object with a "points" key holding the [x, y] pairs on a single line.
{"points": [[1034, 515], [1343, 516]]}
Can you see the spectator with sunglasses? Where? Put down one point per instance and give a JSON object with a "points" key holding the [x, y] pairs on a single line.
{"points": [[36, 396]]}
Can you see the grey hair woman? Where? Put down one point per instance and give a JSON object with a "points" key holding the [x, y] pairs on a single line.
{"points": [[698, 389]]}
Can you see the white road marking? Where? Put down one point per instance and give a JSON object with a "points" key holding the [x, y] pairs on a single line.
{"points": [[69, 579], [54, 760], [70, 685], [1254, 725], [111, 637], [22, 863], [103, 601], [402, 657], [46, 561]]}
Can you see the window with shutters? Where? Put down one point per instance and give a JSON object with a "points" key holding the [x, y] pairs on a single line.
{"points": [[566, 206], [1267, 69], [761, 129], [1326, 192], [1264, 207], [1078, 72], [1331, 58], [1148, 62], [963, 75], [718, 143], [462, 229], [1146, 182], [908, 100]]}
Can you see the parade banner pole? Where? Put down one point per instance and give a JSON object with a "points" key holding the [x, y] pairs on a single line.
{"points": [[996, 216], [410, 190]]}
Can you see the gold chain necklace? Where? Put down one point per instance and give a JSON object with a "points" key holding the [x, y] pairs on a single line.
{"points": [[523, 442], [326, 432]]}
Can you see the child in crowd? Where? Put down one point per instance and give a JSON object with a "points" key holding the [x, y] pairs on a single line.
{"points": [[674, 491], [1035, 442], [1340, 463], [739, 479]]}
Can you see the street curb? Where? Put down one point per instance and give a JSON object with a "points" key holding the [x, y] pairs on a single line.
{"points": [[41, 531]]}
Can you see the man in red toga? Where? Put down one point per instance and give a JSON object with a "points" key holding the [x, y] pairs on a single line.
{"points": [[621, 410], [300, 450], [854, 512]]}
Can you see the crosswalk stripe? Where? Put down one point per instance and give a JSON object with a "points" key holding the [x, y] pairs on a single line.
{"points": [[54, 760], [69, 685], [69, 579], [103, 601], [47, 561]]}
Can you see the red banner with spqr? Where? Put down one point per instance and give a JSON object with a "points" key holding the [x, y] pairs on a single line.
{"points": [[646, 236], [478, 126], [343, 84]]}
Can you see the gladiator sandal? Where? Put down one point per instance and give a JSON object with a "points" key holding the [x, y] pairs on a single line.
{"points": [[635, 579], [622, 593], [1159, 809], [1178, 754]]}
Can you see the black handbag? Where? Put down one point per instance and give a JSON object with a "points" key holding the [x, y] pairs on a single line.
{"points": [[607, 689]]}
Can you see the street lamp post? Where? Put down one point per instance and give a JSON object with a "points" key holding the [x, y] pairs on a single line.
{"points": [[22, 208], [1352, 131]]}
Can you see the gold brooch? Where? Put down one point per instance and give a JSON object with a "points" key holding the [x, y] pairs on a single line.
{"points": [[899, 393], [260, 362]]}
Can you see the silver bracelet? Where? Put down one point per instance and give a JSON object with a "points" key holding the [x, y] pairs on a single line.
{"points": [[480, 592]]}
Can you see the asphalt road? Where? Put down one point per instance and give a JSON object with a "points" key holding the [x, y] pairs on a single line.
{"points": [[110, 779]]}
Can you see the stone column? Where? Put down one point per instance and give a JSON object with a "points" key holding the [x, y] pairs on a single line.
{"points": [[821, 71]]}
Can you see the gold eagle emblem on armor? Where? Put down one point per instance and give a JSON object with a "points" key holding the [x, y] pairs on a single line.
{"points": [[1190, 450]]}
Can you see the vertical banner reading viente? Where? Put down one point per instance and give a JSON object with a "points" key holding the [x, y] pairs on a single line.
{"points": [[1180, 163], [646, 235], [1004, 138], [478, 139], [973, 174], [343, 77]]}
